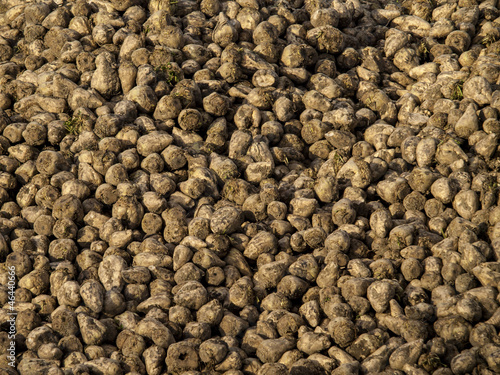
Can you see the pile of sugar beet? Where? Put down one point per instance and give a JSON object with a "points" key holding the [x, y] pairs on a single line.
{"points": [[250, 187]]}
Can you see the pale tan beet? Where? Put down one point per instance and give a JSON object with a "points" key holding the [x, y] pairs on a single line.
{"points": [[250, 187]]}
